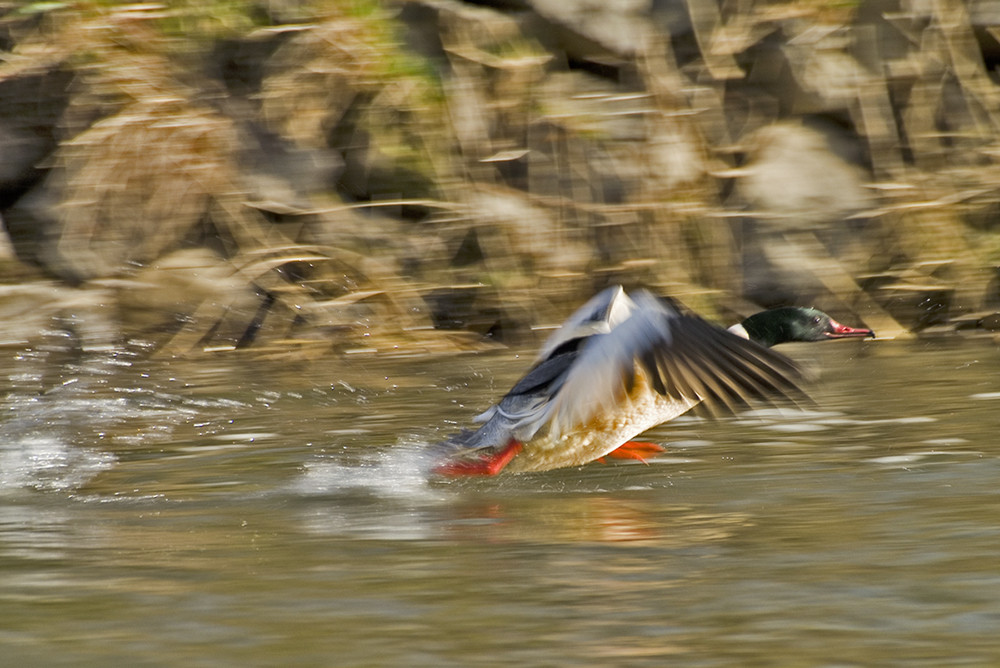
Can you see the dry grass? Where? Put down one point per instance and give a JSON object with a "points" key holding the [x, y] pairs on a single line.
{"points": [[532, 182]]}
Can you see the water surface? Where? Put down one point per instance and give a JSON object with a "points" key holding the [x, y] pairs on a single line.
{"points": [[245, 512]]}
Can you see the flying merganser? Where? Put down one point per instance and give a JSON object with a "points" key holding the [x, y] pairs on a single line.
{"points": [[623, 364]]}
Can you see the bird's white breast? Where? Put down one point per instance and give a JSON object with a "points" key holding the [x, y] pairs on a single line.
{"points": [[642, 410]]}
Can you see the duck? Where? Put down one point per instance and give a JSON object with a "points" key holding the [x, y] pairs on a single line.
{"points": [[622, 364]]}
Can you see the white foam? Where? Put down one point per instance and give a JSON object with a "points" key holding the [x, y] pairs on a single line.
{"points": [[402, 471], [47, 463]]}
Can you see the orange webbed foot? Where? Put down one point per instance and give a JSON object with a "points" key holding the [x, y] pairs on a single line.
{"points": [[635, 450], [485, 465]]}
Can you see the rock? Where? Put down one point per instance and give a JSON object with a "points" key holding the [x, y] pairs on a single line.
{"points": [[239, 63], [23, 151], [128, 189], [584, 27], [509, 225], [191, 287], [434, 26], [33, 226], [793, 179], [278, 175], [675, 157], [312, 80], [31, 104], [326, 87]]}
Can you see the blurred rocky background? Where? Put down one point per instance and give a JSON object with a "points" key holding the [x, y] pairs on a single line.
{"points": [[405, 177]]}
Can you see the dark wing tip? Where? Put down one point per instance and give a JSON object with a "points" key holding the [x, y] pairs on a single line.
{"points": [[698, 360]]}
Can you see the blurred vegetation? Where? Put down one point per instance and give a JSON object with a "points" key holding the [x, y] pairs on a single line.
{"points": [[405, 177]]}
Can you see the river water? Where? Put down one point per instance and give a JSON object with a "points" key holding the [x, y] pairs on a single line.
{"points": [[246, 512]]}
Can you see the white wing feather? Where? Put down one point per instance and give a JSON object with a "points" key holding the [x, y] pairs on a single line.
{"points": [[596, 381], [614, 307]]}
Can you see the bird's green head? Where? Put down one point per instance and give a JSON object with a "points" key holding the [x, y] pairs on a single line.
{"points": [[797, 323]]}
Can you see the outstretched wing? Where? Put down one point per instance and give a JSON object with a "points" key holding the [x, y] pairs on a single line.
{"points": [[682, 356]]}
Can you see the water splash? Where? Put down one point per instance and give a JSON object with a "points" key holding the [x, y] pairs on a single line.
{"points": [[63, 418], [402, 471], [49, 464], [387, 495]]}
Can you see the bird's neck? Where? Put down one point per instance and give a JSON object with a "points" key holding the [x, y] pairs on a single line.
{"points": [[763, 329]]}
